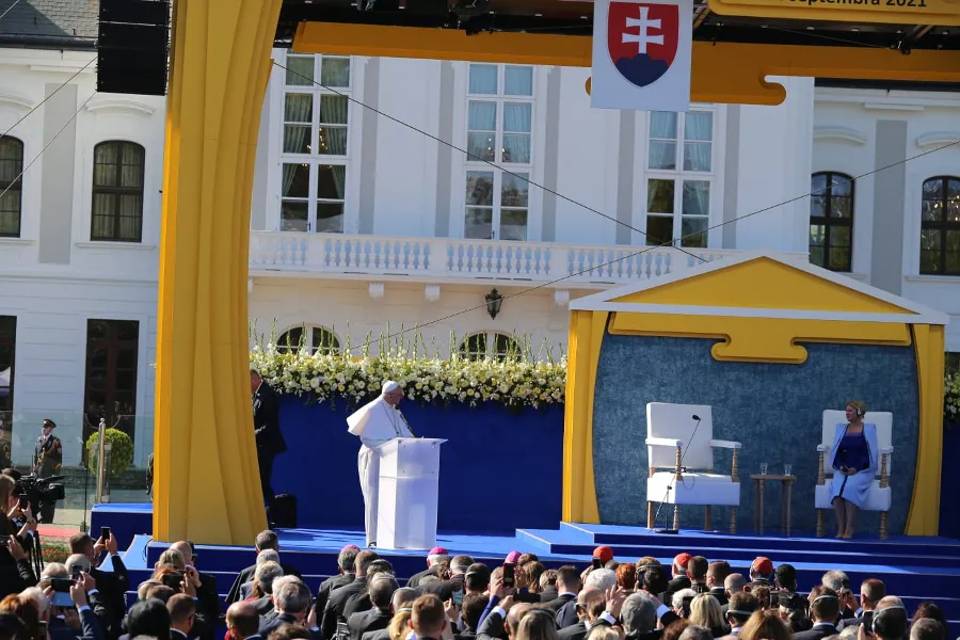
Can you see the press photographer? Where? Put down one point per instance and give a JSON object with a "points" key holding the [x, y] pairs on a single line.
{"points": [[16, 572]]}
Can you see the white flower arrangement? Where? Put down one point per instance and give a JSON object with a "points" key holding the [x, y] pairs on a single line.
{"points": [[951, 397], [516, 380]]}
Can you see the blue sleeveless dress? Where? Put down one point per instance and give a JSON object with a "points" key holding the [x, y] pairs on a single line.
{"points": [[857, 451]]}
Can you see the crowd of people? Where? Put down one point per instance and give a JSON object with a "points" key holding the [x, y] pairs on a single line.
{"points": [[453, 598]]}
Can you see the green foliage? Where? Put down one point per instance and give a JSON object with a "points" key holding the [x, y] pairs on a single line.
{"points": [[951, 397], [120, 456]]}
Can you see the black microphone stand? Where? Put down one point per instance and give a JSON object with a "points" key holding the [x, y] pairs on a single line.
{"points": [[670, 485]]}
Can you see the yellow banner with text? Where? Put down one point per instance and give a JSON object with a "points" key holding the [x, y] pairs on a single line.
{"points": [[905, 12]]}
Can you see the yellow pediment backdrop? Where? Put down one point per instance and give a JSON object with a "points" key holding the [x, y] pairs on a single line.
{"points": [[762, 283]]}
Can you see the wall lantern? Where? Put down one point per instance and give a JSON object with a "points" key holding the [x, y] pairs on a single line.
{"points": [[494, 301]]}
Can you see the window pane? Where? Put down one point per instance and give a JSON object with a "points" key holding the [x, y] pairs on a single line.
{"points": [[840, 207], [474, 347], [659, 230], [516, 116], [296, 138], [324, 341], [818, 235], [300, 71], [330, 181], [333, 109], [663, 124], [839, 236], [698, 126], [483, 78], [953, 253], [693, 232], [518, 81], [296, 180], [929, 251], [482, 115], [663, 155], [479, 188], [516, 148], [696, 156], [480, 145], [818, 206], [332, 141], [131, 176], [696, 197], [953, 200], [504, 346], [513, 224], [931, 210], [330, 217], [660, 196], [839, 259], [816, 256], [514, 190], [298, 107], [818, 184], [293, 215], [840, 185], [335, 72], [478, 223], [291, 340]]}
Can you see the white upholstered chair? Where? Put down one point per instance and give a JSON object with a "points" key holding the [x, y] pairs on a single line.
{"points": [[680, 458], [878, 497]]}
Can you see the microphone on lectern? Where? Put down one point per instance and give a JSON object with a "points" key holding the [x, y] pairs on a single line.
{"points": [[696, 417]]}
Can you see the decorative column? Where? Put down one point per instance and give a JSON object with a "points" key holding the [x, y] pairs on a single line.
{"points": [[205, 468]]}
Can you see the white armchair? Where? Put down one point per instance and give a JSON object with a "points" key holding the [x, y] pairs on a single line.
{"points": [[878, 497], [685, 476]]}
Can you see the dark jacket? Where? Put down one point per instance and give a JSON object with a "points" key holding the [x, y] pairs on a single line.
{"points": [[266, 421], [246, 576], [819, 630], [370, 620], [336, 603], [112, 586], [567, 614], [328, 585]]}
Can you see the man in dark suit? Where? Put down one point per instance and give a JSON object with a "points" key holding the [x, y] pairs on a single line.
{"points": [[292, 600], [182, 612], [591, 604], [345, 575], [437, 559], [871, 591], [381, 588], [717, 572], [243, 621], [470, 612], [266, 539], [680, 579], [824, 610], [337, 602], [362, 601], [266, 427], [111, 584], [208, 600], [565, 604]]}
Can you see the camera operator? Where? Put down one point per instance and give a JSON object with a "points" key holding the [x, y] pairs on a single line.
{"points": [[16, 574], [47, 461]]}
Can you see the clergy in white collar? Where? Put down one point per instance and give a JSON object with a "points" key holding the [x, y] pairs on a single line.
{"points": [[375, 423]]}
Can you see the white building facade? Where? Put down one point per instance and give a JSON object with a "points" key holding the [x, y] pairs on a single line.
{"points": [[362, 224]]}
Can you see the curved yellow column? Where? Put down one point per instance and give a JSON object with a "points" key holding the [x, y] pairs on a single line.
{"points": [[206, 486], [579, 483], [923, 518]]}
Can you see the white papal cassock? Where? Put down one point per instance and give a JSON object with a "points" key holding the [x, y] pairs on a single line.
{"points": [[375, 423]]}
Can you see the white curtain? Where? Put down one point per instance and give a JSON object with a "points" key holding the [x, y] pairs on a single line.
{"points": [[517, 118], [333, 111], [297, 112]]}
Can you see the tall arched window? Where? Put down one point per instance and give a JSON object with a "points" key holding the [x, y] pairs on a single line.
{"points": [[313, 339], [11, 165], [940, 226], [831, 220], [117, 191], [489, 344]]}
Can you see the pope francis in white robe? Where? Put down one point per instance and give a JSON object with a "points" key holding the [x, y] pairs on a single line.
{"points": [[375, 423]]}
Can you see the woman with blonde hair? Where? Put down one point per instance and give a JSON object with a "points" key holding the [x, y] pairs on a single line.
{"points": [[705, 610], [539, 624], [402, 604], [764, 625], [854, 458]]}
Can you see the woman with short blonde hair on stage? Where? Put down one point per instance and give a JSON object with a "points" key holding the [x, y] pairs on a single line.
{"points": [[854, 460]]}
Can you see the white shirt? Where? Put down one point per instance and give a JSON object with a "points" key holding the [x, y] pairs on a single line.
{"points": [[378, 421]]}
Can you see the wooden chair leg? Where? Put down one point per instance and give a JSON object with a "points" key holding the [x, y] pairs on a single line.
{"points": [[676, 516], [650, 512], [707, 518], [883, 526], [820, 525], [733, 519]]}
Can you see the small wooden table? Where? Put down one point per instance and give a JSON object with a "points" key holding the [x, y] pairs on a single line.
{"points": [[786, 491]]}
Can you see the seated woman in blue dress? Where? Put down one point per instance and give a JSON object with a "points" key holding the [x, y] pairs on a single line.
{"points": [[854, 460]]}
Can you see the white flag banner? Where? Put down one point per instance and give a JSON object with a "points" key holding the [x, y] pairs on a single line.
{"points": [[641, 54]]}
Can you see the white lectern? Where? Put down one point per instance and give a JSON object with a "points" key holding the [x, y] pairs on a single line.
{"points": [[407, 506]]}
